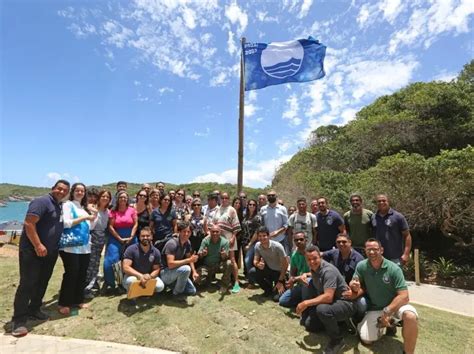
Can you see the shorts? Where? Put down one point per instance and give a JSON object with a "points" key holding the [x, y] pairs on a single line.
{"points": [[367, 328]]}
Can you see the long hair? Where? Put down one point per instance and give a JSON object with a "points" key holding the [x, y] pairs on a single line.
{"points": [[147, 197], [84, 199], [240, 211], [101, 193], [249, 216]]}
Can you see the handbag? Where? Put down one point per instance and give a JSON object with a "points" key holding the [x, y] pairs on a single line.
{"points": [[78, 235]]}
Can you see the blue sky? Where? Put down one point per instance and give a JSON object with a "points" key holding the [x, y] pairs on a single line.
{"points": [[97, 91]]}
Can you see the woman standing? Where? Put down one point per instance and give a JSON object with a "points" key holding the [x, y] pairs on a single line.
{"points": [[227, 219], [98, 232], [75, 259], [123, 224], [237, 205], [251, 223], [180, 206], [143, 210], [197, 225], [163, 222]]}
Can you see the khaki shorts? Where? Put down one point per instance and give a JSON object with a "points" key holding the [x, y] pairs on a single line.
{"points": [[367, 328]]}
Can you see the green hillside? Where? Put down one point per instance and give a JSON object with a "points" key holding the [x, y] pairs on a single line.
{"points": [[412, 145]]}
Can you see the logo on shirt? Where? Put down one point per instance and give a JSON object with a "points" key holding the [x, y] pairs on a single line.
{"points": [[329, 220], [388, 222], [151, 259], [386, 279]]}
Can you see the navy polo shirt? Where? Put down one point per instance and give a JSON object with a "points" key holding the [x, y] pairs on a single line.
{"points": [[388, 230], [163, 223], [142, 262], [173, 246], [345, 266], [328, 229], [49, 226]]}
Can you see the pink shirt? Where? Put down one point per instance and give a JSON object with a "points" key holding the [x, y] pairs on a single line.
{"points": [[124, 219]]}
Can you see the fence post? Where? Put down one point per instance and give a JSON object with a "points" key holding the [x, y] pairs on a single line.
{"points": [[417, 266]]}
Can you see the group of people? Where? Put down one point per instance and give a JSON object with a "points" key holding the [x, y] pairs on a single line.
{"points": [[342, 269]]}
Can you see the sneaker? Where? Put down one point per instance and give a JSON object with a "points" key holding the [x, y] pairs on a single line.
{"points": [[391, 331], [19, 330], [235, 288], [39, 315], [276, 297], [334, 346]]}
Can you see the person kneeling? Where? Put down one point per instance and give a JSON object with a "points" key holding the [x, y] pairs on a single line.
{"points": [[384, 284], [328, 307], [141, 262], [214, 252]]}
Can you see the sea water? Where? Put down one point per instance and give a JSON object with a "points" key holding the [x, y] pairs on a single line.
{"points": [[14, 211]]}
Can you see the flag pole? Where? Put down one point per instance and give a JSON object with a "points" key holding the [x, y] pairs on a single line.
{"points": [[240, 165]]}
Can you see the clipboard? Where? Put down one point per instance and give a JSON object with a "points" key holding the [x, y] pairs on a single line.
{"points": [[136, 290]]}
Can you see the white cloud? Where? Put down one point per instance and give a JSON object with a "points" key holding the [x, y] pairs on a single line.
{"points": [[305, 8], [203, 134], [426, 24], [53, 177], [255, 174], [376, 78], [348, 115], [445, 76], [291, 113], [236, 15], [189, 18], [165, 89], [231, 47], [363, 15], [250, 109], [391, 9], [251, 146], [219, 80], [262, 16]]}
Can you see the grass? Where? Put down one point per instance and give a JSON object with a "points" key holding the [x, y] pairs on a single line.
{"points": [[212, 323]]}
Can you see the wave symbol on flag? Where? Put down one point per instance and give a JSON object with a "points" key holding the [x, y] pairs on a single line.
{"points": [[282, 59]]}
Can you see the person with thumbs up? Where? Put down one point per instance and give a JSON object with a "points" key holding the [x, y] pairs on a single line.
{"points": [[214, 254]]}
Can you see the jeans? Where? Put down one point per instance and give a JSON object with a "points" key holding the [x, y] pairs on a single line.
{"points": [[248, 260], [97, 244], [292, 297], [129, 279], [326, 316], [74, 278], [113, 254], [264, 278], [35, 273], [180, 277]]}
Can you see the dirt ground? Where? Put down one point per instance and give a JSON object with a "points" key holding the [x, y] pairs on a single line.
{"points": [[8, 250]]}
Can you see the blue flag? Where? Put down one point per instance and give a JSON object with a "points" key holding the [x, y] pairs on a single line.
{"points": [[281, 62]]}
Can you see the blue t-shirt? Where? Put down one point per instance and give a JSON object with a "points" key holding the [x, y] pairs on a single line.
{"points": [[328, 229], [142, 262], [345, 266], [388, 230], [174, 247], [49, 226], [163, 224]]}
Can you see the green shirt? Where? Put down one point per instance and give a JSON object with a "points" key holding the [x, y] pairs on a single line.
{"points": [[214, 250], [298, 261], [359, 227], [380, 285]]}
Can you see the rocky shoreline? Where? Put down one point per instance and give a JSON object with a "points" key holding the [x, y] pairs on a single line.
{"points": [[15, 198]]}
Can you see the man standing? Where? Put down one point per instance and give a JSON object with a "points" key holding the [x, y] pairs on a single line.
{"points": [[121, 186], [210, 211], [275, 219], [262, 201], [243, 202], [358, 222], [298, 282], [141, 262], [302, 221], [314, 206], [391, 229], [39, 245], [214, 252], [330, 224], [178, 262], [270, 265], [328, 307], [383, 282], [161, 187]]}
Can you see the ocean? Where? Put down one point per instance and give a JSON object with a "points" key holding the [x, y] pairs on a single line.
{"points": [[14, 211]]}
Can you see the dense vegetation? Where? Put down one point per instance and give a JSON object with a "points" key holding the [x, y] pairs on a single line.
{"points": [[412, 145]]}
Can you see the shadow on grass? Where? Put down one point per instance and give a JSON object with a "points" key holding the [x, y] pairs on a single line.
{"points": [[260, 299]]}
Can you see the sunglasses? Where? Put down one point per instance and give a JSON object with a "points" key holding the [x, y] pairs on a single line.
{"points": [[196, 195], [343, 242], [181, 194], [142, 195], [252, 204], [243, 197], [195, 205], [271, 195], [299, 239]]}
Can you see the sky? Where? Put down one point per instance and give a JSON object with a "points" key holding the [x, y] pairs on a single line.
{"points": [[148, 90]]}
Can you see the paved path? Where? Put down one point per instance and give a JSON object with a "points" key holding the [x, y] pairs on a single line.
{"points": [[442, 298], [33, 343]]}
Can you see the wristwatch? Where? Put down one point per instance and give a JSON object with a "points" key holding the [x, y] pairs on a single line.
{"points": [[386, 311]]}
